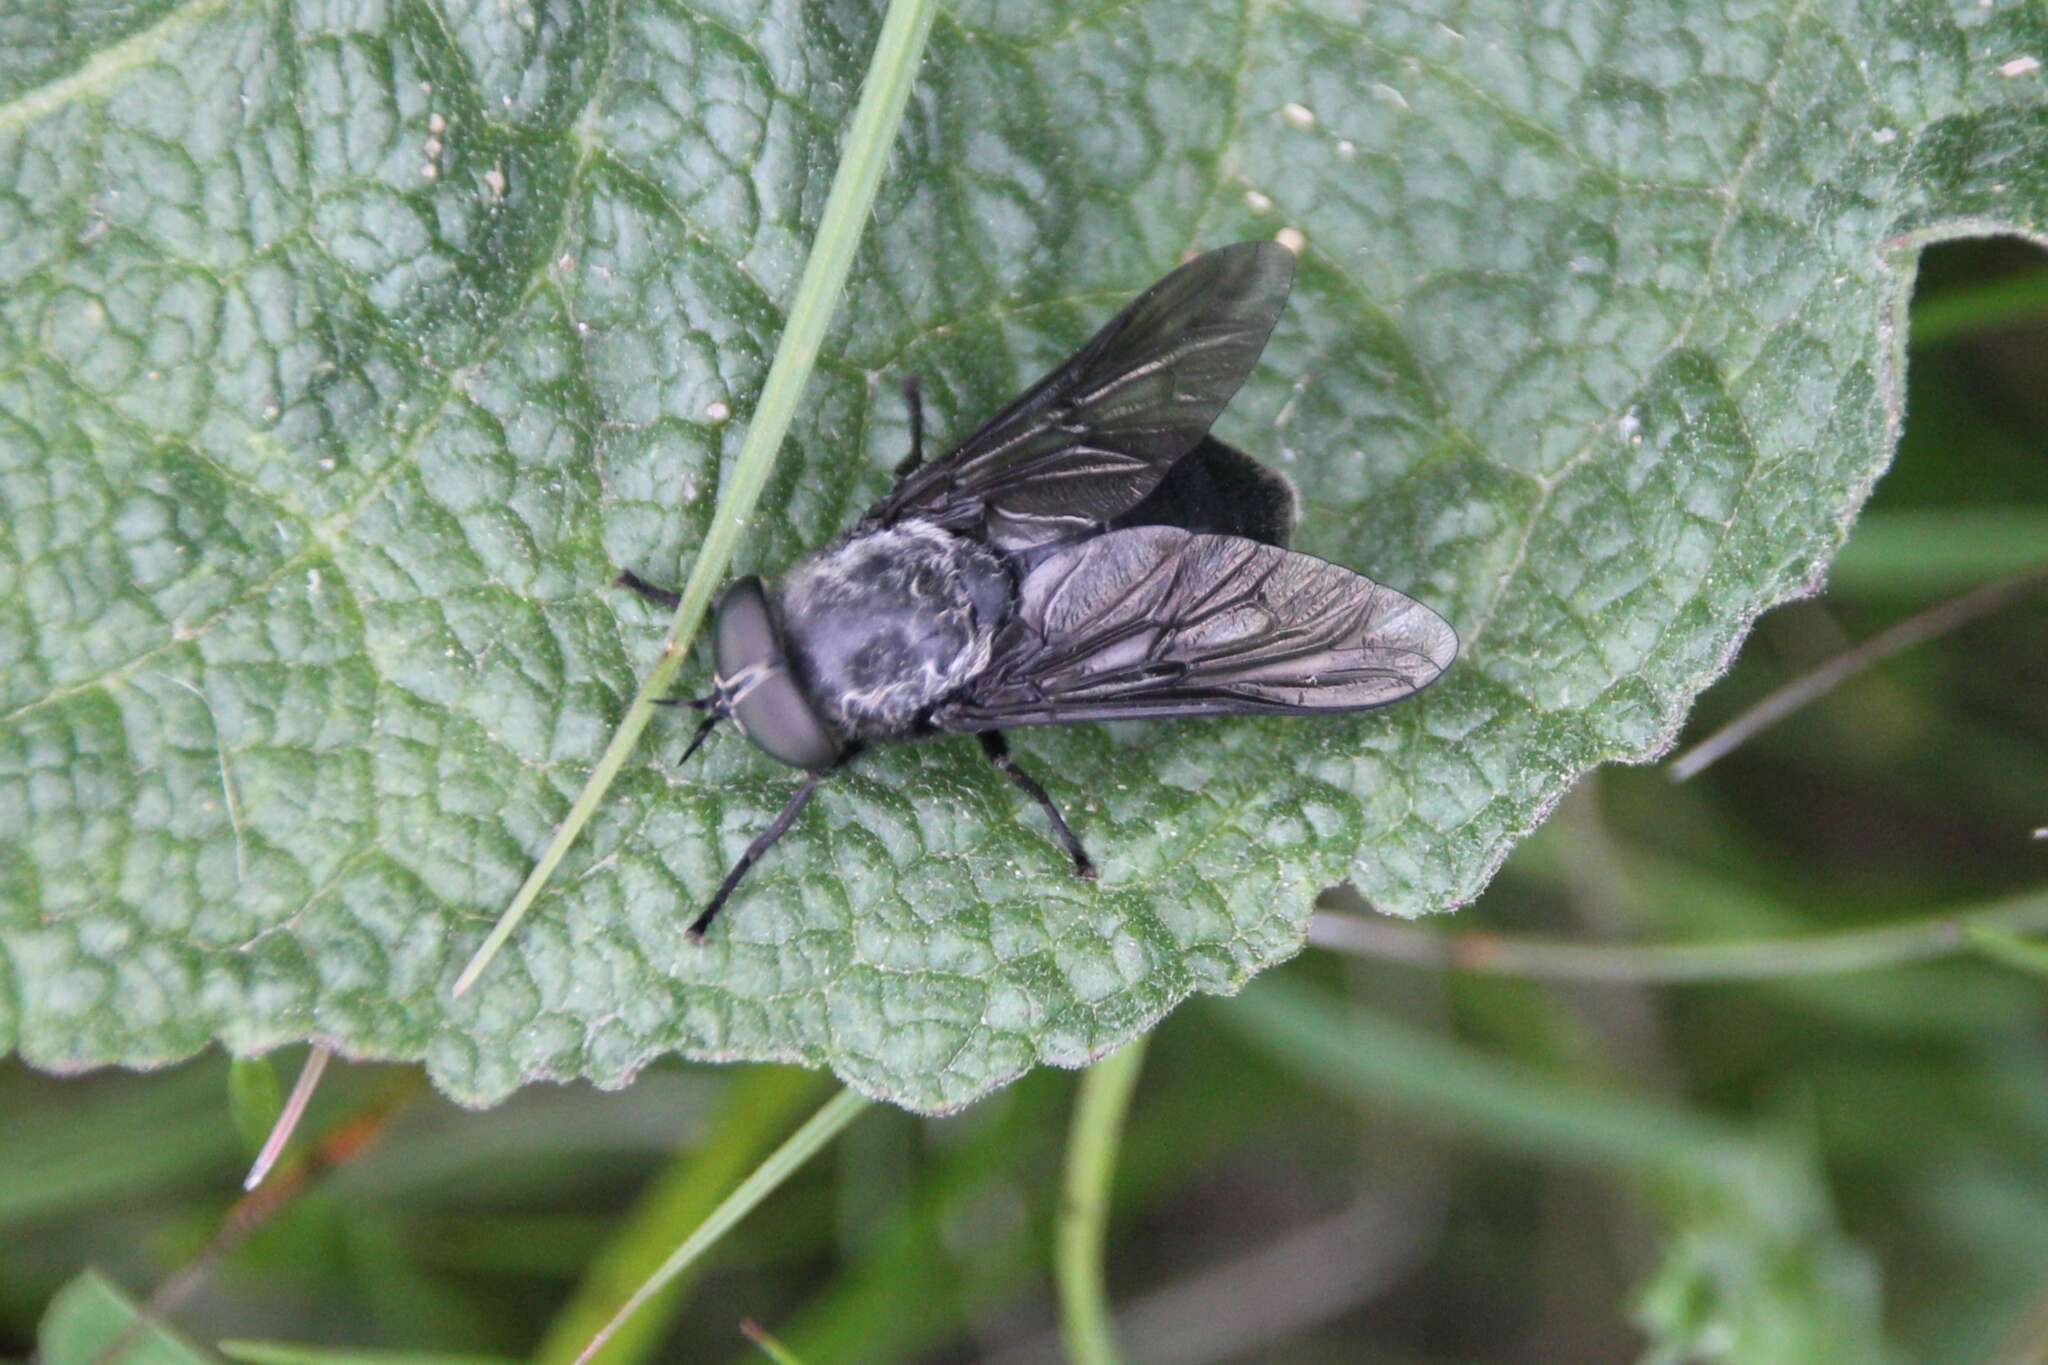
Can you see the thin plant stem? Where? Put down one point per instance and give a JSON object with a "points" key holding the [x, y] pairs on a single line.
{"points": [[770, 1347], [2022, 954], [862, 158], [1747, 959], [1812, 686], [289, 1116], [1092, 1143], [759, 1106], [783, 1162]]}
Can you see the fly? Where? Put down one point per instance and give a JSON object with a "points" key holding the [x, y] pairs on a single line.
{"points": [[1091, 553]]}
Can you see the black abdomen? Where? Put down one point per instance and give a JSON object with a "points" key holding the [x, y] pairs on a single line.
{"points": [[1218, 490]]}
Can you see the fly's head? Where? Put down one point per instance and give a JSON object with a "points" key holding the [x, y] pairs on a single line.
{"points": [[756, 686]]}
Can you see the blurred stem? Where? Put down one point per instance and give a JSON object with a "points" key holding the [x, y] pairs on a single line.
{"points": [[1364, 1055], [2024, 954], [1092, 1143], [1811, 686], [1749, 959], [770, 1347], [758, 1106], [1969, 309], [783, 1162], [347, 1141], [862, 158], [285, 1119]]}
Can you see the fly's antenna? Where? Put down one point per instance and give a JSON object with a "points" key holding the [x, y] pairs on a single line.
{"points": [[715, 704], [703, 733]]}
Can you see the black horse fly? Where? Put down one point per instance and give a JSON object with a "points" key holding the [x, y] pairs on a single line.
{"points": [[1092, 553]]}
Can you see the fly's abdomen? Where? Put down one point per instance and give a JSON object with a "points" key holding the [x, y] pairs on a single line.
{"points": [[887, 623]]}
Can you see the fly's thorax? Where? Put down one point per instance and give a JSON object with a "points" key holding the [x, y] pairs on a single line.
{"points": [[884, 624]]}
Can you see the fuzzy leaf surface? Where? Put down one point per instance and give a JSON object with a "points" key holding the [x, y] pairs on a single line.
{"points": [[347, 350]]}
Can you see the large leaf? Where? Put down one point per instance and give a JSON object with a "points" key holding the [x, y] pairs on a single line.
{"points": [[346, 350]]}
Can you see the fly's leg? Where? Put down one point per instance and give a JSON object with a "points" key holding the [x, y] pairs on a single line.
{"points": [[998, 750], [661, 597], [913, 398], [762, 843]]}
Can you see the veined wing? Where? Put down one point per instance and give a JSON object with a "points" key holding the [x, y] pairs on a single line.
{"points": [[1155, 622], [1092, 438]]}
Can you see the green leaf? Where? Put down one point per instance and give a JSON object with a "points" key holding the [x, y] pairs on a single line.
{"points": [[89, 1316], [1761, 1271], [346, 354]]}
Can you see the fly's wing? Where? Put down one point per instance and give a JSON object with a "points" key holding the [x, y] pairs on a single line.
{"points": [[1157, 621], [1092, 438]]}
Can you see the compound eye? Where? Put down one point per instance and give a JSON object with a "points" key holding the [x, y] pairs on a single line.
{"points": [[777, 716], [770, 707]]}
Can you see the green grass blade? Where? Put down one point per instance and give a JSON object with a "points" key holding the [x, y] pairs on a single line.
{"points": [[802, 1145], [757, 1109], [866, 151], [1923, 938], [1370, 1057], [1927, 552], [1956, 313], [770, 1347], [2025, 954]]}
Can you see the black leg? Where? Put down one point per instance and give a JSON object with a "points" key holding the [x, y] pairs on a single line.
{"points": [[913, 396], [659, 596], [998, 750], [762, 843]]}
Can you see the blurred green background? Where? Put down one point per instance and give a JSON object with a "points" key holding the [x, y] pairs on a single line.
{"points": [[1358, 1159]]}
